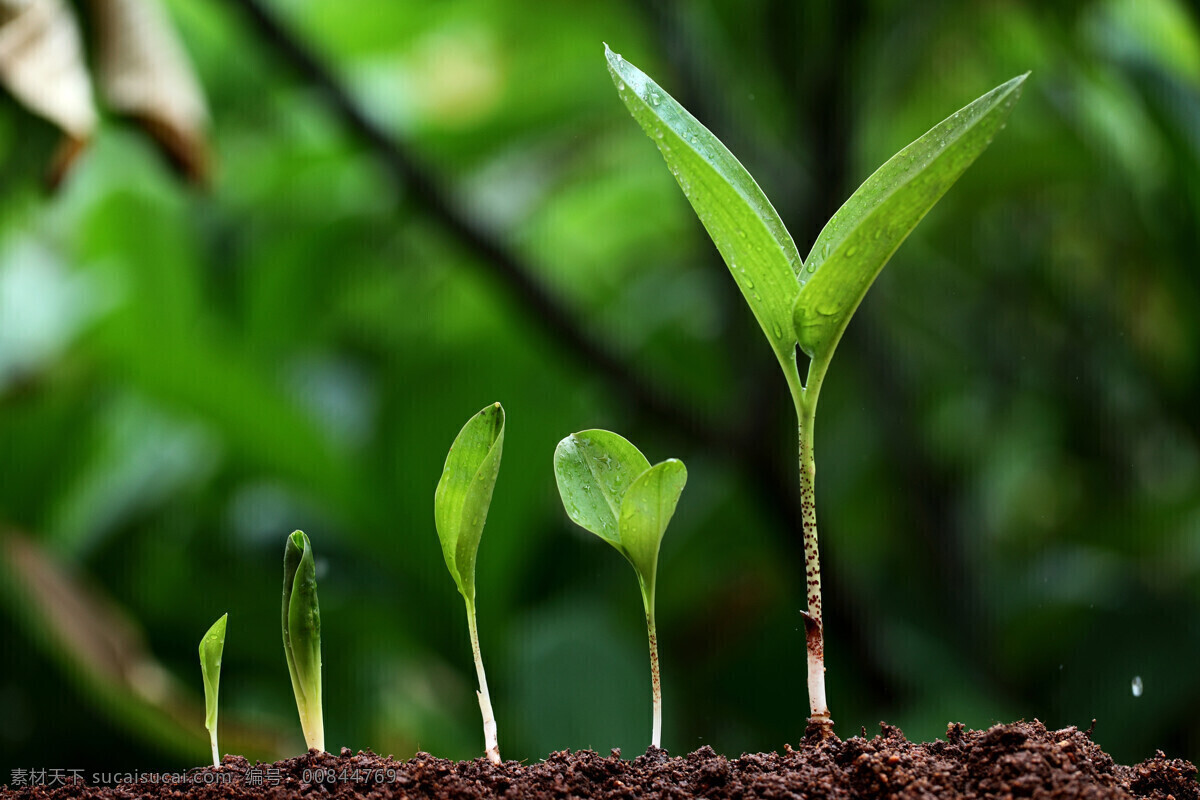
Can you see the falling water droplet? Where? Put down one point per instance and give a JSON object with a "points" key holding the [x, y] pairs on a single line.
{"points": [[1136, 685]]}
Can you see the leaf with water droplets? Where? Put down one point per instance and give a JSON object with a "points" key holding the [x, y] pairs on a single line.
{"points": [[464, 494], [860, 238], [212, 646], [734, 210], [593, 470], [646, 510]]}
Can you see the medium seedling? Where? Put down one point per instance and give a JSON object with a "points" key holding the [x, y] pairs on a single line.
{"points": [[211, 648], [460, 507], [302, 635], [609, 488], [807, 303]]}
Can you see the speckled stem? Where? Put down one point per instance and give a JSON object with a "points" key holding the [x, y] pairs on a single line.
{"points": [[805, 399], [655, 680]]}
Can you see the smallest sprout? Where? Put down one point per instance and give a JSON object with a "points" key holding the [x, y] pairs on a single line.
{"points": [[211, 648]]}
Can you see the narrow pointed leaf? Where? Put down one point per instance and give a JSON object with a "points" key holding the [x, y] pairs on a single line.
{"points": [[302, 635], [752, 239], [593, 469], [646, 510], [212, 646], [464, 493], [860, 238]]}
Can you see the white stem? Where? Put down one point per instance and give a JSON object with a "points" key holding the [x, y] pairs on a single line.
{"points": [[212, 735], [491, 744], [655, 682], [314, 726]]}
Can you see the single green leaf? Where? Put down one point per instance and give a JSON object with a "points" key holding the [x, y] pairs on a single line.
{"points": [[211, 648], [752, 239], [302, 635], [860, 238], [593, 470], [646, 509], [464, 493]]}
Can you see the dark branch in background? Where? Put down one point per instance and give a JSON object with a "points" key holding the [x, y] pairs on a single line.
{"points": [[492, 254]]}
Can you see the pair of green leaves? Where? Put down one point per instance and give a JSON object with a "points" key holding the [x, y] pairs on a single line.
{"points": [[302, 636], [808, 302], [609, 488]]}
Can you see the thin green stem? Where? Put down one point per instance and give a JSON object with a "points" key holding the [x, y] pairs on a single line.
{"points": [[485, 701], [805, 400]]}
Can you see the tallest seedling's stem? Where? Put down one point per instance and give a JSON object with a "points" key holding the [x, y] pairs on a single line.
{"points": [[805, 400]]}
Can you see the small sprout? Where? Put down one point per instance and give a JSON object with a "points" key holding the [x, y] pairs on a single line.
{"points": [[609, 488], [460, 507], [211, 648], [302, 635]]}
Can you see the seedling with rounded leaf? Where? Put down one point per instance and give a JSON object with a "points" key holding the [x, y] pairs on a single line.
{"points": [[609, 488], [302, 635], [211, 648], [460, 507], [807, 303]]}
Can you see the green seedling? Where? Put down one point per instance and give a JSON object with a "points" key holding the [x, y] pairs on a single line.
{"points": [[211, 648], [807, 303], [302, 635], [460, 507], [609, 488]]}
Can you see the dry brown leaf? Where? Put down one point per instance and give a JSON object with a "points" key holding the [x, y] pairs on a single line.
{"points": [[144, 72], [42, 65]]}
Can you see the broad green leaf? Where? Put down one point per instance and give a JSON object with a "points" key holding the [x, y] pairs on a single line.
{"points": [[211, 648], [646, 510], [593, 470], [302, 635], [756, 246], [464, 493], [860, 238]]}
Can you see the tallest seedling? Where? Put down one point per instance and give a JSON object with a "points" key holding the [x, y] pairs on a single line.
{"points": [[807, 303]]}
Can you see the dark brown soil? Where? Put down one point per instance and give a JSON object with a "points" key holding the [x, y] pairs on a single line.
{"points": [[1006, 761]]}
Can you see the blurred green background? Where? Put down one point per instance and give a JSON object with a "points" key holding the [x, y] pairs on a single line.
{"points": [[1009, 474]]}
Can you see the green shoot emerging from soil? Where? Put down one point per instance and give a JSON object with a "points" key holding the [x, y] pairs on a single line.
{"points": [[302, 636], [460, 507], [609, 488], [807, 303], [211, 648]]}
